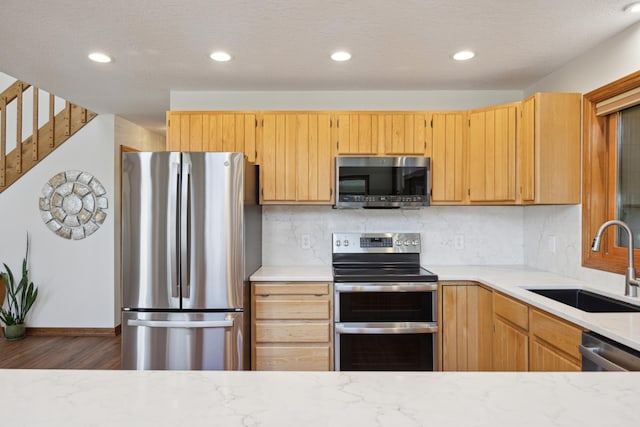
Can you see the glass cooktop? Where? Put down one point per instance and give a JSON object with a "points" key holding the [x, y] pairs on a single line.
{"points": [[383, 274]]}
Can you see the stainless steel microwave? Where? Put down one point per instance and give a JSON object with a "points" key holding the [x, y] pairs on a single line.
{"points": [[382, 182]]}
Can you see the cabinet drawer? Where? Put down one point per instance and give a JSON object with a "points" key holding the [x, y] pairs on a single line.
{"points": [[292, 309], [293, 332], [291, 289], [293, 358], [511, 310], [562, 335]]}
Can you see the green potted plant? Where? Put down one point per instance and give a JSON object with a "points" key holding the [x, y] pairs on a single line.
{"points": [[20, 298]]}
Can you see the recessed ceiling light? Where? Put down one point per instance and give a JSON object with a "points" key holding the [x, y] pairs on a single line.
{"points": [[220, 56], [632, 8], [341, 56], [99, 57], [463, 55]]}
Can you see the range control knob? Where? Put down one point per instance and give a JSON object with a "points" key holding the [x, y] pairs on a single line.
{"points": [[337, 242], [346, 243]]}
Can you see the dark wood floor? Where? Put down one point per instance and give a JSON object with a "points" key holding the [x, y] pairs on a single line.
{"points": [[61, 352]]}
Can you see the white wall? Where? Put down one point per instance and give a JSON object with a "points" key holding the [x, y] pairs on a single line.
{"points": [[341, 100], [611, 60], [75, 277]]}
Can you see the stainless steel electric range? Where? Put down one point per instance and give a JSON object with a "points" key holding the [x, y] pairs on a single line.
{"points": [[385, 303]]}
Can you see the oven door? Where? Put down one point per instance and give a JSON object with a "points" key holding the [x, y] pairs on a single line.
{"points": [[385, 327], [386, 346]]}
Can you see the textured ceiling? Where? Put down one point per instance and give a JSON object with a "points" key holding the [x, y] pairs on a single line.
{"points": [[164, 45]]}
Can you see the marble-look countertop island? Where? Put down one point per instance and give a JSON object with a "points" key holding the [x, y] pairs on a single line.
{"points": [[305, 399]]}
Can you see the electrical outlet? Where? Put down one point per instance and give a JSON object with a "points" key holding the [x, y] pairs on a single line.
{"points": [[458, 242], [305, 242]]}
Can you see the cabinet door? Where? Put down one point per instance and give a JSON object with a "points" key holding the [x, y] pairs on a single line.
{"points": [[526, 151], [314, 159], [492, 154], [549, 149], [447, 157], [554, 343], [212, 131], [185, 131], [404, 133], [296, 157], [466, 328], [548, 359], [510, 347], [230, 132], [278, 171], [358, 133]]}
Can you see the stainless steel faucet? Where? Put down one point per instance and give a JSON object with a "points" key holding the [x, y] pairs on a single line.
{"points": [[631, 283]]}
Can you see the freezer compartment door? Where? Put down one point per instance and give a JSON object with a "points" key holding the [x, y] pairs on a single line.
{"points": [[150, 201], [212, 230], [182, 341]]}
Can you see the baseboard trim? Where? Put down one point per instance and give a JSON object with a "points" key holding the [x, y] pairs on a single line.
{"points": [[75, 332]]}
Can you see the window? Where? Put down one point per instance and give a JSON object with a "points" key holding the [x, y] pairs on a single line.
{"points": [[628, 183], [611, 172]]}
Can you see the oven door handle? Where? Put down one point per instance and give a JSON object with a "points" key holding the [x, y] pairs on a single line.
{"points": [[387, 328], [387, 287]]}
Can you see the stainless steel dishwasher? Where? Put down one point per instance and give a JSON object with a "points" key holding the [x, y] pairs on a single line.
{"points": [[602, 354]]}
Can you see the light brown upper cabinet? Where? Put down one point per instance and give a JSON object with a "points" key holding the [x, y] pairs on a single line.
{"points": [[212, 131], [380, 133], [296, 160], [549, 149], [492, 154], [447, 168]]}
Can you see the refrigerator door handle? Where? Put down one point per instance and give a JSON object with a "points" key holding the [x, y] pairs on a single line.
{"points": [[181, 323], [185, 227], [174, 236]]}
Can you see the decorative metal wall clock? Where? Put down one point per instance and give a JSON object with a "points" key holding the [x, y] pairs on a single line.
{"points": [[73, 204]]}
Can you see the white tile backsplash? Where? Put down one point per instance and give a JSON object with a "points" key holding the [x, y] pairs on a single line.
{"points": [[563, 224], [451, 235]]}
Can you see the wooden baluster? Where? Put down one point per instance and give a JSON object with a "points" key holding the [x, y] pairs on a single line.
{"points": [[3, 141], [52, 121], [19, 130], [34, 135], [67, 118]]}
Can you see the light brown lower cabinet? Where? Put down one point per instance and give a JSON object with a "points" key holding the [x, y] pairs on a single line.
{"points": [[510, 335], [291, 326], [554, 343], [466, 327], [487, 330]]}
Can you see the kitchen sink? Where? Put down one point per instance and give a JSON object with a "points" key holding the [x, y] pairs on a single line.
{"points": [[587, 301]]}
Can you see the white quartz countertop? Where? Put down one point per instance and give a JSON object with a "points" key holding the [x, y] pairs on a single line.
{"points": [[293, 274], [222, 398], [511, 280]]}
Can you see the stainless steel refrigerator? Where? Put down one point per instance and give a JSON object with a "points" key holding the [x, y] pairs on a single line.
{"points": [[191, 237]]}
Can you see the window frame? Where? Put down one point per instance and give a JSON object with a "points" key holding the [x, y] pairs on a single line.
{"points": [[599, 178]]}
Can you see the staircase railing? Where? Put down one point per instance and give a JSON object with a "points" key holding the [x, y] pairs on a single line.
{"points": [[44, 139]]}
